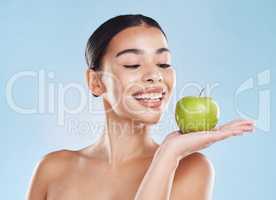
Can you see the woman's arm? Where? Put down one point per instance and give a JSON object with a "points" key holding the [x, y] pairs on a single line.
{"points": [[158, 181], [168, 178], [38, 186]]}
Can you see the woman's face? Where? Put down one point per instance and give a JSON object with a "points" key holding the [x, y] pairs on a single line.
{"points": [[137, 75]]}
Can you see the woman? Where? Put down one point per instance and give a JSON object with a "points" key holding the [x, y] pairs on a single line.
{"points": [[129, 66]]}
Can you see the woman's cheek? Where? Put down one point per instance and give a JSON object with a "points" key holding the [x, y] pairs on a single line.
{"points": [[170, 78], [113, 87], [119, 87]]}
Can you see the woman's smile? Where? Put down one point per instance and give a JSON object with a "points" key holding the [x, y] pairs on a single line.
{"points": [[151, 97]]}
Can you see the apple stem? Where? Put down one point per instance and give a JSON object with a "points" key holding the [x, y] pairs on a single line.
{"points": [[201, 91]]}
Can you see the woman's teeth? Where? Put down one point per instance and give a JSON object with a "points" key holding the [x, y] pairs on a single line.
{"points": [[149, 97]]}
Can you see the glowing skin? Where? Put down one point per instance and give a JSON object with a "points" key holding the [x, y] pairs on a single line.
{"points": [[125, 163], [121, 82]]}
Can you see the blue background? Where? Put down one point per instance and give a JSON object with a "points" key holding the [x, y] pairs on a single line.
{"points": [[213, 41]]}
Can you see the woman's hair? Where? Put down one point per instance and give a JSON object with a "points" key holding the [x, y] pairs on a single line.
{"points": [[99, 40]]}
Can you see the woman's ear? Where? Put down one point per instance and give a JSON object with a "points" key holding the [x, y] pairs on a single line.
{"points": [[94, 82]]}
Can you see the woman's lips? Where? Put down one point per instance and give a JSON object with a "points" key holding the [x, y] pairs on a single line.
{"points": [[150, 97], [149, 90]]}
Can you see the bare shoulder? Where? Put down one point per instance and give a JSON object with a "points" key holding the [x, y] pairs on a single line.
{"points": [[55, 162], [194, 178], [49, 168], [195, 164]]}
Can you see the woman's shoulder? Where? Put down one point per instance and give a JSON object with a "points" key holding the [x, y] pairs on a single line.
{"points": [[56, 159], [55, 162], [59, 156], [196, 162], [49, 168], [195, 165], [194, 173]]}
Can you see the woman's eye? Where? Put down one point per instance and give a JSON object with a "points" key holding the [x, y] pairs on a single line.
{"points": [[164, 65], [136, 66], [131, 66]]}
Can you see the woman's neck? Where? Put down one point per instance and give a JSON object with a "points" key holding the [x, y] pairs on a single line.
{"points": [[125, 139]]}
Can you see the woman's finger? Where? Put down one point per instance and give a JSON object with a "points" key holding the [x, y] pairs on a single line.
{"points": [[248, 127], [235, 124], [241, 121], [221, 135]]}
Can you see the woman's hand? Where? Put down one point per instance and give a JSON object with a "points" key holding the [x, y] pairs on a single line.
{"points": [[157, 182], [180, 145]]}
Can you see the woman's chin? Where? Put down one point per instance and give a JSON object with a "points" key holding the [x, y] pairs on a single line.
{"points": [[147, 118], [146, 113], [138, 112]]}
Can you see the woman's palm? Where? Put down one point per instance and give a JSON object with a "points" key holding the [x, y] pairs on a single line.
{"points": [[185, 144]]}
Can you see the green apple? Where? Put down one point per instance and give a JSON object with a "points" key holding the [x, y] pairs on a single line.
{"points": [[196, 113]]}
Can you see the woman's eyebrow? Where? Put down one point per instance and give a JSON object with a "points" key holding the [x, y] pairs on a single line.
{"points": [[161, 50], [140, 51]]}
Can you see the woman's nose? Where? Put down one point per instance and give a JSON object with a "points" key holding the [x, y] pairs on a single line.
{"points": [[153, 77]]}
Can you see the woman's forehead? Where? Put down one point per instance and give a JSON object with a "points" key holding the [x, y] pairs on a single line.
{"points": [[138, 37]]}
